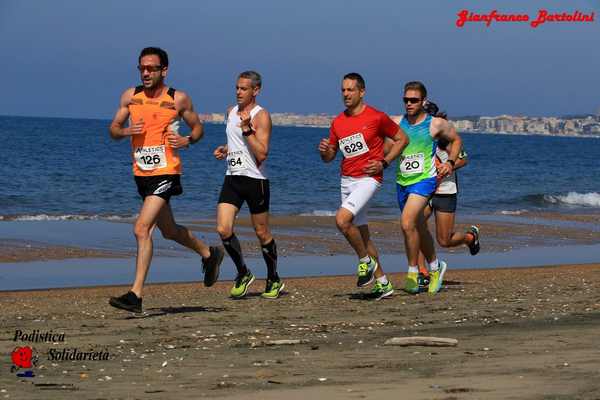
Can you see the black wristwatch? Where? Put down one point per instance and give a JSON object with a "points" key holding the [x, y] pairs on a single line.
{"points": [[248, 132], [189, 137], [451, 162], [385, 164]]}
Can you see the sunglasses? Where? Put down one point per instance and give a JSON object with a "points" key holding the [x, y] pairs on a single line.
{"points": [[411, 100], [149, 68]]}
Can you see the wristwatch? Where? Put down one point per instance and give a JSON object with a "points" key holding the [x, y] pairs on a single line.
{"points": [[451, 162], [249, 132], [385, 164], [189, 138]]}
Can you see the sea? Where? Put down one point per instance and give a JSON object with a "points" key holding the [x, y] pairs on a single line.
{"points": [[70, 169], [65, 182]]}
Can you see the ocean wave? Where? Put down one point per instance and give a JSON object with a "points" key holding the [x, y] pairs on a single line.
{"points": [[513, 212], [575, 199], [64, 217], [319, 213]]}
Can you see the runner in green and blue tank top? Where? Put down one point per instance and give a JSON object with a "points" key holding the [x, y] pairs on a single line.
{"points": [[416, 182]]}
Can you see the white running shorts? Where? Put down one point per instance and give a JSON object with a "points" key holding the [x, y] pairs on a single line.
{"points": [[356, 194]]}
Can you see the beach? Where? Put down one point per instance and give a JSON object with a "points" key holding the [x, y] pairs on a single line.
{"points": [[527, 333]]}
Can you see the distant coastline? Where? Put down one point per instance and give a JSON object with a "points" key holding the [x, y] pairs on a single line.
{"points": [[576, 126]]}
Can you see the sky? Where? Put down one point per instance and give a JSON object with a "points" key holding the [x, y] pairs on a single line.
{"points": [[74, 58]]}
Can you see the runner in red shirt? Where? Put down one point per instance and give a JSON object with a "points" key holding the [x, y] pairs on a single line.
{"points": [[359, 134]]}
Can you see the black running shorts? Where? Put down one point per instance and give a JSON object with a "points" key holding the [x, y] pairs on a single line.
{"points": [[443, 203], [163, 186], [237, 189]]}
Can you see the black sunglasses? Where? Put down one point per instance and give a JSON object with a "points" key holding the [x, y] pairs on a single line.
{"points": [[411, 100], [150, 68]]}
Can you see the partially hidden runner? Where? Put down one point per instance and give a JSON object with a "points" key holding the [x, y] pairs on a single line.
{"points": [[248, 135], [154, 111], [444, 201], [416, 179], [359, 133]]}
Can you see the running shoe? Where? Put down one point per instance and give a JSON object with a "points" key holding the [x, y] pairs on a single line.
{"points": [[273, 289], [423, 281], [381, 291], [365, 273], [240, 288], [474, 246], [411, 283], [437, 278], [210, 265], [128, 302]]}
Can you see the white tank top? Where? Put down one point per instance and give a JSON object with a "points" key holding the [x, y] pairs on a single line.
{"points": [[448, 184], [240, 160]]}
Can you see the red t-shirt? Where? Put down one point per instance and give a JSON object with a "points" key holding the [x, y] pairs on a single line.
{"points": [[360, 139]]}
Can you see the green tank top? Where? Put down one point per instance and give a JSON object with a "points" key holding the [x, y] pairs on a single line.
{"points": [[417, 161]]}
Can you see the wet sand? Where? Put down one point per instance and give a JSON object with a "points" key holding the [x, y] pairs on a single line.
{"points": [[528, 333], [317, 235], [23, 251]]}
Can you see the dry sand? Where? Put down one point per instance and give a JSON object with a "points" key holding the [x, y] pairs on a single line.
{"points": [[527, 333]]}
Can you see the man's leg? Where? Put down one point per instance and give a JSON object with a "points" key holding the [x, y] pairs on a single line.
{"points": [[412, 213], [423, 267], [371, 249], [179, 233], [225, 220], [383, 287], [211, 256], [143, 228], [260, 222], [343, 220]]}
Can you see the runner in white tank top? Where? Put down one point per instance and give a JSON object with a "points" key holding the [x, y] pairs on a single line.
{"points": [[248, 135], [240, 160]]}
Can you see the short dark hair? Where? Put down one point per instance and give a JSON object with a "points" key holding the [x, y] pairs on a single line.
{"points": [[253, 76], [354, 76], [155, 51], [416, 85]]}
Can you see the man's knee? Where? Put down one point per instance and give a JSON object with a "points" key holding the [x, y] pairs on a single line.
{"points": [[224, 231], [443, 240], [408, 225], [262, 232], [141, 230], [343, 223]]}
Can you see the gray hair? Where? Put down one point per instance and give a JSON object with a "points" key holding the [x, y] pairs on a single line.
{"points": [[253, 76]]}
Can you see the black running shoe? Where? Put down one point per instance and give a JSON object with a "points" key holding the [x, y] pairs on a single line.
{"points": [[474, 246], [210, 265], [128, 302]]}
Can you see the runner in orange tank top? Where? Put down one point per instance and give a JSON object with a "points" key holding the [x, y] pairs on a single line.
{"points": [[154, 111]]}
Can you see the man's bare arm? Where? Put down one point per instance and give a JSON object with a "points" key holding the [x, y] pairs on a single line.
{"points": [[258, 143], [116, 129], [185, 109], [442, 128]]}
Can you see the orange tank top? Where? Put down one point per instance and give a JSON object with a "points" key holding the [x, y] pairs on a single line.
{"points": [[150, 151]]}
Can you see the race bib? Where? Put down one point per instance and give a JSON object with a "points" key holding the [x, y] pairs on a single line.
{"points": [[353, 145], [150, 158], [236, 161], [412, 164]]}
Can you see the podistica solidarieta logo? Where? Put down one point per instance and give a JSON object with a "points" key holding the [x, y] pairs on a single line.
{"points": [[25, 358]]}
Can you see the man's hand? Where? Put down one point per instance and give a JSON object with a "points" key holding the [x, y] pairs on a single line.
{"points": [[135, 129], [373, 168], [244, 119], [445, 169], [325, 146], [177, 141], [220, 152]]}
